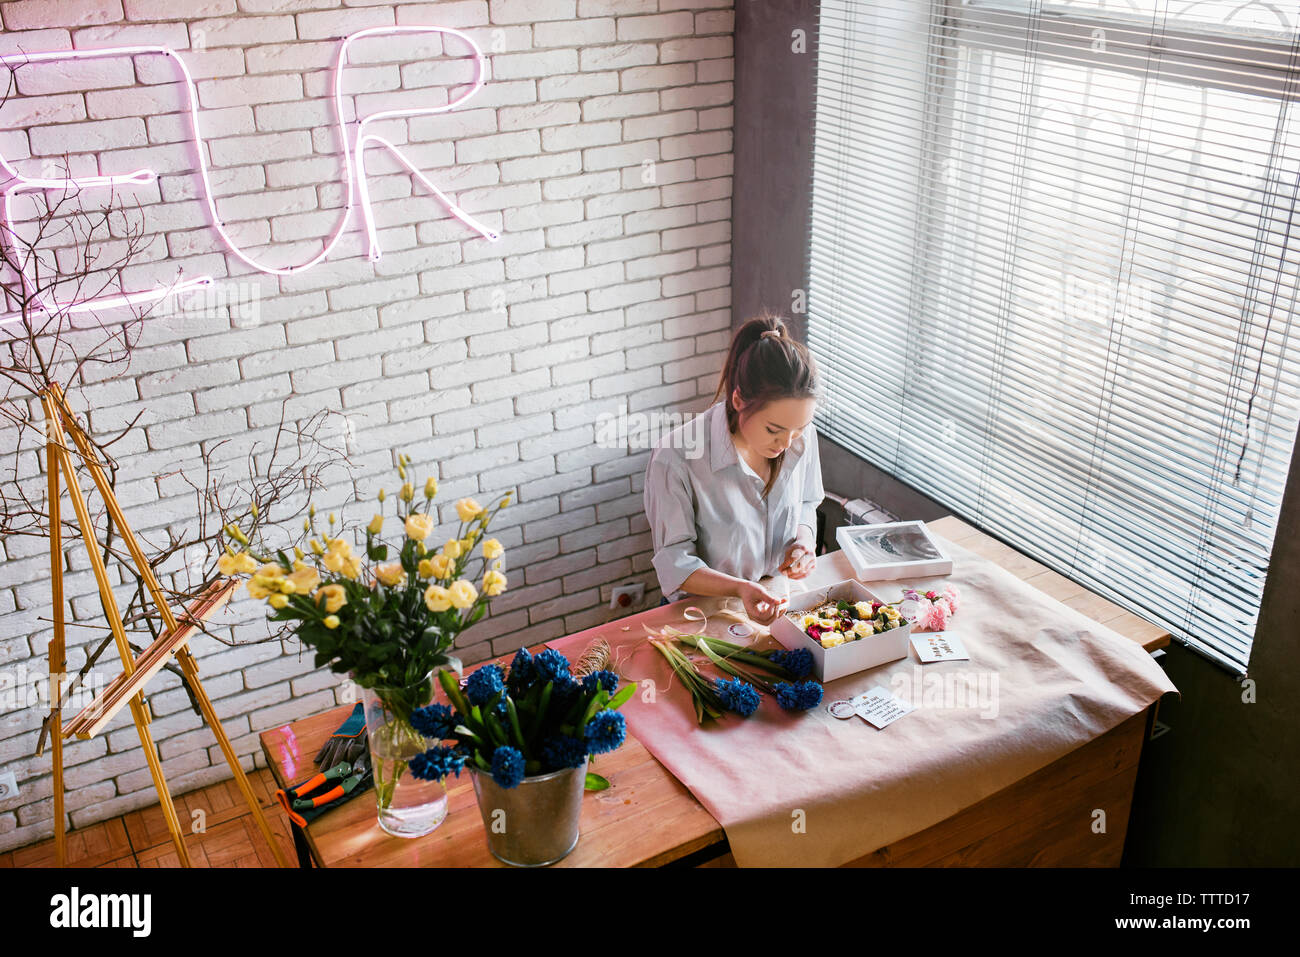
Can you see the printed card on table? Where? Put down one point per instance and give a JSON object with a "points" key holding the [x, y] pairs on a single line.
{"points": [[938, 646], [878, 707]]}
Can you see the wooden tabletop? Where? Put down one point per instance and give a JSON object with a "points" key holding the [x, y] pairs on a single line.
{"points": [[1067, 592], [647, 817]]}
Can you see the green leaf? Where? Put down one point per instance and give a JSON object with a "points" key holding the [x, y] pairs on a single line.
{"points": [[623, 695], [494, 728], [595, 782]]}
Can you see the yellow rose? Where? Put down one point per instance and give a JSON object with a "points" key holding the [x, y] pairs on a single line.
{"points": [[439, 566], [257, 587], [419, 527], [226, 563], [391, 574], [492, 549], [408, 492], [376, 525], [334, 596], [305, 579], [278, 601], [340, 547], [273, 571], [863, 628], [810, 620], [334, 561], [352, 567], [437, 598], [463, 593], [452, 549], [467, 509], [245, 563], [494, 583], [863, 608], [431, 487], [831, 640], [317, 547], [331, 621]]}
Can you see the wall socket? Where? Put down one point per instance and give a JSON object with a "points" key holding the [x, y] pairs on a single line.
{"points": [[8, 786], [626, 596]]}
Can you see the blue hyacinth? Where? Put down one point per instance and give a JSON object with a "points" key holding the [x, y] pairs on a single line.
{"points": [[798, 662], [522, 670], [564, 690], [433, 721], [436, 763], [738, 696], [800, 697], [507, 767], [600, 681], [551, 666], [605, 732], [483, 684], [562, 751]]}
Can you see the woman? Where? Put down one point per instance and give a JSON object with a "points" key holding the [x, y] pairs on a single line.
{"points": [[740, 502]]}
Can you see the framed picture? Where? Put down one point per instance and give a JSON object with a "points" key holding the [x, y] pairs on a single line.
{"points": [[893, 550]]}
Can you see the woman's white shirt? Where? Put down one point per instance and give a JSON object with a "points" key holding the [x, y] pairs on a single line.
{"points": [[706, 508]]}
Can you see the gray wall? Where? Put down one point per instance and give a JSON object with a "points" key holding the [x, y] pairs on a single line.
{"points": [[1217, 788]]}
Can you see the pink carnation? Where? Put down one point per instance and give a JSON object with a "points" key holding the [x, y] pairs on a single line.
{"points": [[939, 612]]}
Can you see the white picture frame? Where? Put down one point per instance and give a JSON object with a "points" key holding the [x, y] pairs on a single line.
{"points": [[893, 550]]}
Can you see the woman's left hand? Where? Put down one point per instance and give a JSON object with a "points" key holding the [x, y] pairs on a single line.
{"points": [[799, 560]]}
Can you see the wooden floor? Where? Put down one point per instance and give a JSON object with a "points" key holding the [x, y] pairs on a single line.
{"points": [[219, 832]]}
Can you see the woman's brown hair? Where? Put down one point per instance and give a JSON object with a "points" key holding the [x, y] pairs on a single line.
{"points": [[764, 364]]}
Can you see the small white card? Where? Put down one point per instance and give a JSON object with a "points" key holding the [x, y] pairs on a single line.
{"points": [[938, 646], [879, 707]]}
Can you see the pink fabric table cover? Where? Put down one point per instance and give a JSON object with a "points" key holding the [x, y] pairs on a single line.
{"points": [[807, 789]]}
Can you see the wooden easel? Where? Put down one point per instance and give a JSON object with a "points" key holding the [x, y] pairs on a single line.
{"points": [[128, 687]]}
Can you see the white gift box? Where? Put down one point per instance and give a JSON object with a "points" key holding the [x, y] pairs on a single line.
{"points": [[891, 551], [852, 656]]}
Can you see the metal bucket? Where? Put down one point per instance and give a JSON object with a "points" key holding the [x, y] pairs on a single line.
{"points": [[535, 823]]}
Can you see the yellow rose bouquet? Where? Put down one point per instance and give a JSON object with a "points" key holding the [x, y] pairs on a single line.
{"points": [[387, 614]]}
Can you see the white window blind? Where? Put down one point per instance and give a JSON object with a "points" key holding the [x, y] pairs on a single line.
{"points": [[1053, 269]]}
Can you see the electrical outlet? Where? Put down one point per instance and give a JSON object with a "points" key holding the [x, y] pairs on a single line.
{"points": [[625, 596], [8, 786]]}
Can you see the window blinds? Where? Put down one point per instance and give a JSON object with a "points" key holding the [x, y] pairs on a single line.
{"points": [[1053, 269]]}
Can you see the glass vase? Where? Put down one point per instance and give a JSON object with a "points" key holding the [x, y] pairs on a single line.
{"points": [[407, 806]]}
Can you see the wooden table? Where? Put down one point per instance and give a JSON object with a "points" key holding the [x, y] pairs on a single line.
{"points": [[648, 818]]}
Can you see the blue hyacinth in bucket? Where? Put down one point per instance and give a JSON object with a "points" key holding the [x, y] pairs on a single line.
{"points": [[527, 736]]}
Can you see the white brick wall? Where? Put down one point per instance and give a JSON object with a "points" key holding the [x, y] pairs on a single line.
{"points": [[601, 150]]}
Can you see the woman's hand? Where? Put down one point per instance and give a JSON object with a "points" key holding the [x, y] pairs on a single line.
{"points": [[799, 560], [760, 604]]}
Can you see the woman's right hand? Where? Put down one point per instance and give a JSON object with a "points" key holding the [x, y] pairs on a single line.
{"points": [[760, 604]]}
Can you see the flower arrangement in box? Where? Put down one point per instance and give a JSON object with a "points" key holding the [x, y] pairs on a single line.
{"points": [[532, 728], [835, 623], [387, 616]]}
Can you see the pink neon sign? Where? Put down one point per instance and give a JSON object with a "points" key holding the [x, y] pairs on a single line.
{"points": [[353, 156]]}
